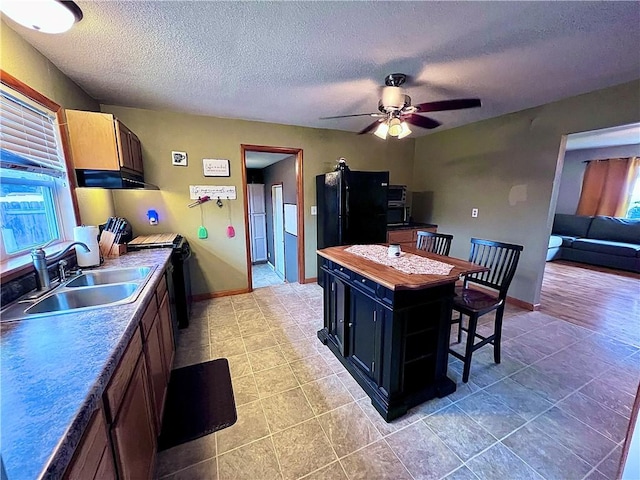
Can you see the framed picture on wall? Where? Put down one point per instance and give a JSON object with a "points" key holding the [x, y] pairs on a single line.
{"points": [[214, 167]]}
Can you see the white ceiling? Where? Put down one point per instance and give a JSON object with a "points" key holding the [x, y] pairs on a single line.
{"points": [[263, 159], [293, 62], [606, 137]]}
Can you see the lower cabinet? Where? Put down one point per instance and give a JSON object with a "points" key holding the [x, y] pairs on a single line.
{"points": [[93, 458], [364, 332], [121, 438], [133, 431], [407, 237], [335, 305], [394, 343]]}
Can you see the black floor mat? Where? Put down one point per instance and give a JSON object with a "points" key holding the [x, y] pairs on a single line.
{"points": [[199, 402]]}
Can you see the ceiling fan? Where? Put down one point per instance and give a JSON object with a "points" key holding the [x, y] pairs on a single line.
{"points": [[396, 111]]}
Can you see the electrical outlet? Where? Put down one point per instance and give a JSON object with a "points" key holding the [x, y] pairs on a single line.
{"points": [[474, 213], [314, 210]]}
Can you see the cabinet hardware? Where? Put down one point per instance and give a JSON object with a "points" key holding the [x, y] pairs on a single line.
{"points": [[375, 315], [333, 286], [373, 367], [350, 324], [363, 280]]}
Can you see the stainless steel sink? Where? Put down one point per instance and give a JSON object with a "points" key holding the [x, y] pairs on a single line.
{"points": [[82, 298], [99, 288], [104, 277]]}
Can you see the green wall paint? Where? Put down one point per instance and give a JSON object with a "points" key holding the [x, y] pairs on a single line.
{"points": [[477, 165], [220, 262]]}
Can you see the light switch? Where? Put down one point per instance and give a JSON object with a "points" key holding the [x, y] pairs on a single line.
{"points": [[314, 210], [474, 212]]}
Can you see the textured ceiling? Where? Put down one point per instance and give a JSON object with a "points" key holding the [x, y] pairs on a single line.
{"points": [[293, 62]]}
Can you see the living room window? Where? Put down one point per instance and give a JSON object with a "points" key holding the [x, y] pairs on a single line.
{"points": [[634, 199], [36, 206]]}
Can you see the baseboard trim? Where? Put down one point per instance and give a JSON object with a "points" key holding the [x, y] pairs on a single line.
{"points": [[522, 304], [311, 280], [224, 293]]}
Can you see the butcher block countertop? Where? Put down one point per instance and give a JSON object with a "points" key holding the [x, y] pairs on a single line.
{"points": [[394, 279]]}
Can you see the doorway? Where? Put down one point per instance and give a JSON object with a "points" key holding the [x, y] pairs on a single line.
{"points": [[264, 168], [278, 230]]}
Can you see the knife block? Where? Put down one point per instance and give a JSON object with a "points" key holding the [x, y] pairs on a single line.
{"points": [[108, 246]]}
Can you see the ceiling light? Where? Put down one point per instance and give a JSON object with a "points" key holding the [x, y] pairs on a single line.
{"points": [[382, 130], [47, 16], [395, 127], [405, 130]]}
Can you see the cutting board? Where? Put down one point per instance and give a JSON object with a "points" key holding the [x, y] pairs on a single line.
{"points": [[157, 239]]}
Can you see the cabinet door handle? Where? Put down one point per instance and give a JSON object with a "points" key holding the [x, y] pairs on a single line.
{"points": [[350, 324], [375, 316], [363, 280]]}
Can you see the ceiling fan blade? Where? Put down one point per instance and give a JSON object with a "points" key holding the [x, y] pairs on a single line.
{"points": [[370, 127], [449, 105], [355, 115], [424, 122]]}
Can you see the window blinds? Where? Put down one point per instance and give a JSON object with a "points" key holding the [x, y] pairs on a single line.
{"points": [[29, 136]]}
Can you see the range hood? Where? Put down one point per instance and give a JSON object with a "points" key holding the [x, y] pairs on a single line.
{"points": [[113, 179]]}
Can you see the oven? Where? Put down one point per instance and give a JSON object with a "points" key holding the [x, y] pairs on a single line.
{"points": [[178, 278]]}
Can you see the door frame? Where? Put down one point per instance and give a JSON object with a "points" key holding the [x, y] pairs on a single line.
{"points": [[273, 218], [299, 201]]}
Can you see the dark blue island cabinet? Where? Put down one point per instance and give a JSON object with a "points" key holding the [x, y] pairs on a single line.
{"points": [[390, 329]]}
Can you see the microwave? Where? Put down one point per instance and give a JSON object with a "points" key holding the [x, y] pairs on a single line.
{"points": [[398, 215], [397, 195]]}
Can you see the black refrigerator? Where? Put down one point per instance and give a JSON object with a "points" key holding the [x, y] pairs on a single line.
{"points": [[352, 207]]}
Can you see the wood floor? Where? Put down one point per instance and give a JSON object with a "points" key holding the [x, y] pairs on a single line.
{"points": [[601, 299]]}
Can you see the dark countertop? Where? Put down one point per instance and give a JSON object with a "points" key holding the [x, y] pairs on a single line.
{"points": [[54, 370], [411, 226]]}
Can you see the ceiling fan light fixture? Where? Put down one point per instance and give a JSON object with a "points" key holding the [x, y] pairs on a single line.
{"points": [[382, 130], [47, 16], [395, 127], [406, 131]]}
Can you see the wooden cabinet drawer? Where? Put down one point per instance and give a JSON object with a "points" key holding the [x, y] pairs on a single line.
{"points": [[148, 316], [118, 385], [162, 288], [400, 236], [365, 283]]}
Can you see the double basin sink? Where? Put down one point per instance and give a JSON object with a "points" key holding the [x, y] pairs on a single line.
{"points": [[99, 288]]}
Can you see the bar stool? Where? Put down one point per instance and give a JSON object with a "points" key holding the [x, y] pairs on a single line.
{"points": [[502, 260], [438, 243]]}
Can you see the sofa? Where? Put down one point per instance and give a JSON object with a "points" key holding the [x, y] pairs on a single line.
{"points": [[605, 241]]}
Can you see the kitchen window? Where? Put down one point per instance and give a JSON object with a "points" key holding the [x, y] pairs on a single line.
{"points": [[36, 205]]}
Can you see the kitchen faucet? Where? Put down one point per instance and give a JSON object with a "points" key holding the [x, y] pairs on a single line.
{"points": [[40, 263]]}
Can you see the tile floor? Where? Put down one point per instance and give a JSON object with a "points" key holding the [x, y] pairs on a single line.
{"points": [[264, 276], [557, 407]]}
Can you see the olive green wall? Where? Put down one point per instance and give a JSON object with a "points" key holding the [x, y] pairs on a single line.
{"points": [[24, 62], [507, 168], [220, 262]]}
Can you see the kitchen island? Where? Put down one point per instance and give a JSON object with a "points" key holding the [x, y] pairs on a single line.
{"points": [[56, 371], [390, 329]]}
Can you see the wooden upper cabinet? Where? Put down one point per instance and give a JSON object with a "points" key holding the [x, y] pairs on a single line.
{"points": [[99, 141]]}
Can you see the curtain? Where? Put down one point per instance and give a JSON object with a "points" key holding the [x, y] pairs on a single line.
{"points": [[607, 186]]}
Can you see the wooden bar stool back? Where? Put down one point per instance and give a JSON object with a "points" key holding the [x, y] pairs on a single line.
{"points": [[438, 243], [502, 260]]}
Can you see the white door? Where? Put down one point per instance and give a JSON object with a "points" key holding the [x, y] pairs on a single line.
{"points": [[258, 229], [278, 229], [256, 198]]}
